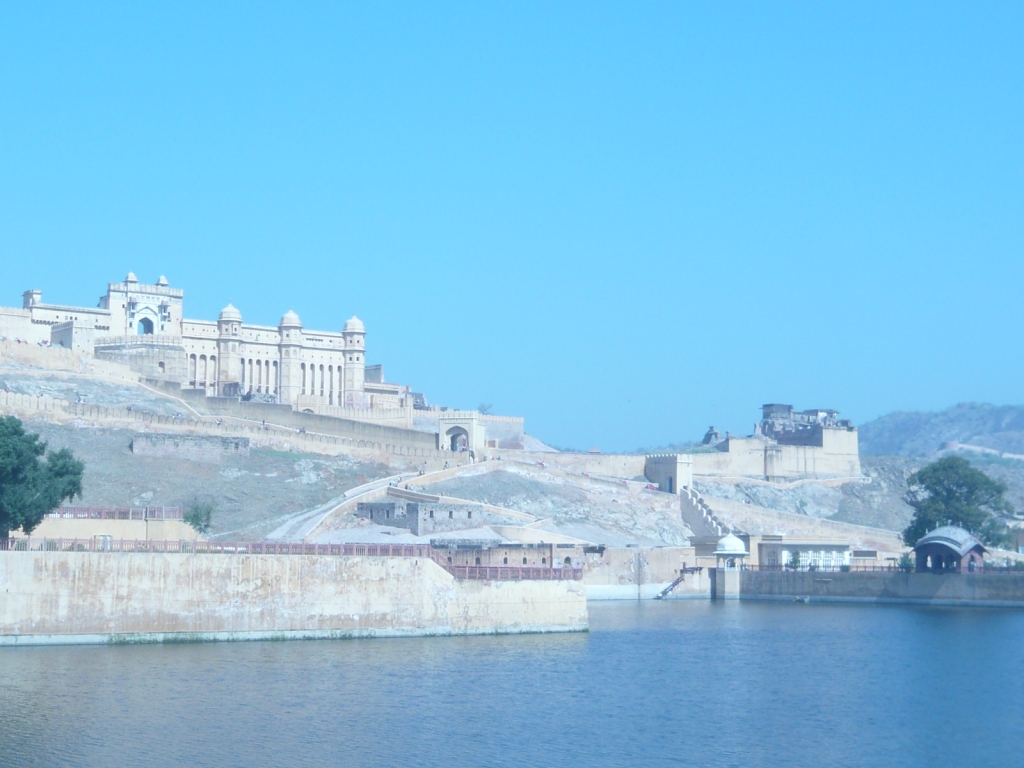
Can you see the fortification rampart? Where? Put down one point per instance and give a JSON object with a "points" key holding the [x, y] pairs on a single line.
{"points": [[837, 456], [625, 466], [194, 447], [55, 597], [761, 520], [273, 435]]}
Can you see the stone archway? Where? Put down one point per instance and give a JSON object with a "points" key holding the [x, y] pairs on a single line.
{"points": [[457, 439]]}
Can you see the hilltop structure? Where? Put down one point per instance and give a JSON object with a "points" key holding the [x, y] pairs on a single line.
{"points": [[320, 372], [786, 444]]}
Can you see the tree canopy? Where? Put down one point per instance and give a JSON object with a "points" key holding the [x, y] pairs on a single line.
{"points": [[32, 481], [952, 492]]}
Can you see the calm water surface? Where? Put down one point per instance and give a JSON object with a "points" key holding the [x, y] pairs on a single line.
{"points": [[680, 683]]}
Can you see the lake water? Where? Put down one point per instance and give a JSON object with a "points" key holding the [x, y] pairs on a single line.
{"points": [[690, 683]]}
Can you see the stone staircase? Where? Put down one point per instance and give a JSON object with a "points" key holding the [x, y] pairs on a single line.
{"points": [[698, 515]]}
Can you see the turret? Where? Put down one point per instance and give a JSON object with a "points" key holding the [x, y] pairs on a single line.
{"points": [[229, 371], [290, 332], [354, 334]]}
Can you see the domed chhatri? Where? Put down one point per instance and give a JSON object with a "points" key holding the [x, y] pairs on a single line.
{"points": [[730, 552], [354, 325], [290, 319], [731, 546], [162, 281], [131, 278], [230, 313]]}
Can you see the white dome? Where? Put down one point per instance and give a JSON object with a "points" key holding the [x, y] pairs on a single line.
{"points": [[354, 325], [290, 319], [230, 313], [131, 278], [162, 280], [731, 546]]}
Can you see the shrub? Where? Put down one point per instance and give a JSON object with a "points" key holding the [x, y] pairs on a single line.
{"points": [[199, 515]]}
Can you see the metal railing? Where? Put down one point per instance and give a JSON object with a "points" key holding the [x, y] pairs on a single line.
{"points": [[115, 513], [111, 545]]}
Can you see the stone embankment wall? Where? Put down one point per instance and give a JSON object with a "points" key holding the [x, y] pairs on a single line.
{"points": [[994, 589], [89, 597], [641, 573]]}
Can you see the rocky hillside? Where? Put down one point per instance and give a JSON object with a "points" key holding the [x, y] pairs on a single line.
{"points": [[252, 494], [922, 434]]}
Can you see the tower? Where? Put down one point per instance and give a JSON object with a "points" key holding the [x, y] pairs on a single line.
{"points": [[229, 328], [290, 331], [354, 334]]}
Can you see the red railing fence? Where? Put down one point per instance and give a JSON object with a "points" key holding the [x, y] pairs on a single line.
{"points": [[109, 544]]}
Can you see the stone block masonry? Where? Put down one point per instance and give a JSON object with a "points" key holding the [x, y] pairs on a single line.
{"points": [[986, 589], [68, 597], [196, 447]]}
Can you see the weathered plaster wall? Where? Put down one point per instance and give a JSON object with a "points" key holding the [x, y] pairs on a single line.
{"points": [[751, 457], [55, 597], [635, 573], [132, 530]]}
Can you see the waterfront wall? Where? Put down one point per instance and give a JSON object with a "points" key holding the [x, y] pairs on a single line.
{"points": [[641, 573], [97, 597], [996, 589]]}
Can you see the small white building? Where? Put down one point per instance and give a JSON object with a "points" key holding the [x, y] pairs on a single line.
{"points": [[730, 552], [810, 554]]}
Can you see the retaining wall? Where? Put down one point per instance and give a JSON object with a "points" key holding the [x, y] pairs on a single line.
{"points": [[90, 597], [272, 436], [995, 589]]}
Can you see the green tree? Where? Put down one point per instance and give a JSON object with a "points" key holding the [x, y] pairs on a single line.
{"points": [[794, 560], [952, 492], [32, 481], [199, 515]]}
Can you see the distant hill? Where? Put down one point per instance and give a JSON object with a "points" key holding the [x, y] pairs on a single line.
{"points": [[919, 433]]}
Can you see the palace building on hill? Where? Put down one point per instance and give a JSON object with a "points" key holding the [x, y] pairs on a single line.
{"points": [[144, 326], [320, 372]]}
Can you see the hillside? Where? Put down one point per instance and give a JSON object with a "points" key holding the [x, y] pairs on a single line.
{"points": [[921, 434], [252, 494]]}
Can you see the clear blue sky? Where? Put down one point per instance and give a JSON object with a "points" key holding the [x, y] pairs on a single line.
{"points": [[624, 222]]}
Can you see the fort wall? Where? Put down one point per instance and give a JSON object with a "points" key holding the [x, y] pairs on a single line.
{"points": [[757, 520], [754, 457], [374, 439], [195, 447], [90, 597], [626, 466]]}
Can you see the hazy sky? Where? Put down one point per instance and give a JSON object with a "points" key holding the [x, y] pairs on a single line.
{"points": [[624, 222]]}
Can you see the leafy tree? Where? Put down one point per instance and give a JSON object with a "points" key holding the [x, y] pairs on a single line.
{"points": [[30, 485], [906, 562], [952, 492], [794, 560], [199, 515]]}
